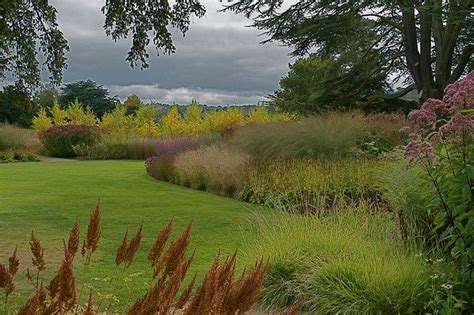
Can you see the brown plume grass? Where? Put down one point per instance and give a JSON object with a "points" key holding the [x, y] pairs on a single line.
{"points": [[220, 292], [93, 234]]}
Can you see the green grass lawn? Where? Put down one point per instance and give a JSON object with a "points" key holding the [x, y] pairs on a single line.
{"points": [[47, 198]]}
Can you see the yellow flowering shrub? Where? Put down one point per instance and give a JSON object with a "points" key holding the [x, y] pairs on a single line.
{"points": [[41, 121]]}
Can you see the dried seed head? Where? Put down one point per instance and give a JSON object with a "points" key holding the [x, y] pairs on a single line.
{"points": [[35, 304], [183, 299], [93, 234], [37, 251], [73, 242], [159, 244], [122, 250], [174, 254], [13, 263], [134, 245]]}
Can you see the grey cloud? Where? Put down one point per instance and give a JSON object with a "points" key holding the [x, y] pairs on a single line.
{"points": [[184, 95], [218, 54]]}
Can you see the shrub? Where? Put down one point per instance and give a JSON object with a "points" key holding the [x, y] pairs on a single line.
{"points": [[111, 147], [13, 137], [214, 168], [328, 136], [353, 262], [161, 166], [13, 156], [309, 185], [59, 141]]}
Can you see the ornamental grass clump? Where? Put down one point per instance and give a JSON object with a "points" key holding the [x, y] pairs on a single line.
{"points": [[161, 166], [59, 141], [215, 168], [350, 262], [313, 185]]}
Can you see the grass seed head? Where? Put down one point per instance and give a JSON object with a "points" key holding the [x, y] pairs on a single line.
{"points": [[37, 251]]}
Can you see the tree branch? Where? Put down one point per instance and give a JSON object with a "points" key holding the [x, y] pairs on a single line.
{"points": [[464, 59]]}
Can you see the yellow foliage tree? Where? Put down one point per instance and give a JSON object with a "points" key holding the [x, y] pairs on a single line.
{"points": [[117, 122], [59, 114], [145, 121], [193, 119], [78, 115], [172, 124], [41, 121], [218, 121], [259, 115]]}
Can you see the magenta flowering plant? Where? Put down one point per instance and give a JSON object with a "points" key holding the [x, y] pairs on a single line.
{"points": [[59, 141], [441, 146]]}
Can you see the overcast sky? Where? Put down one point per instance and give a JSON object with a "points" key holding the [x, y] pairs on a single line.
{"points": [[219, 62]]}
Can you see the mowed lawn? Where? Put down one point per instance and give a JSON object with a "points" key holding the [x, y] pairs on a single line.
{"points": [[47, 198]]}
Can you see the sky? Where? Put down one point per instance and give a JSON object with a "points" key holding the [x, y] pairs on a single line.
{"points": [[218, 62]]}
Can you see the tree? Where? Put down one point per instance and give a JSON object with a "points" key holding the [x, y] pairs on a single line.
{"points": [[45, 97], [30, 25], [132, 104], [16, 106], [90, 94], [317, 84], [429, 42]]}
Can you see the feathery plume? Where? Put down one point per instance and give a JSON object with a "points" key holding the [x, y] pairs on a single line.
{"points": [[62, 287], [93, 234], [159, 244], [37, 251], [73, 241], [35, 304], [13, 263], [243, 293], [183, 299], [122, 250], [174, 254], [133, 246]]}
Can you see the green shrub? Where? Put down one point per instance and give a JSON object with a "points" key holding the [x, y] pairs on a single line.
{"points": [[352, 262], [14, 156], [103, 151], [59, 141], [327, 136], [311, 185], [214, 168], [13, 137]]}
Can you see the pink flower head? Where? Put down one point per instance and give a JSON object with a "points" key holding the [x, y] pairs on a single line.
{"points": [[457, 124], [419, 150], [434, 106], [422, 117], [404, 130], [460, 94]]}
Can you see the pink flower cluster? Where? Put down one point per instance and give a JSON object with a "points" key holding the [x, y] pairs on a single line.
{"points": [[459, 123], [419, 150], [430, 120], [460, 94]]}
